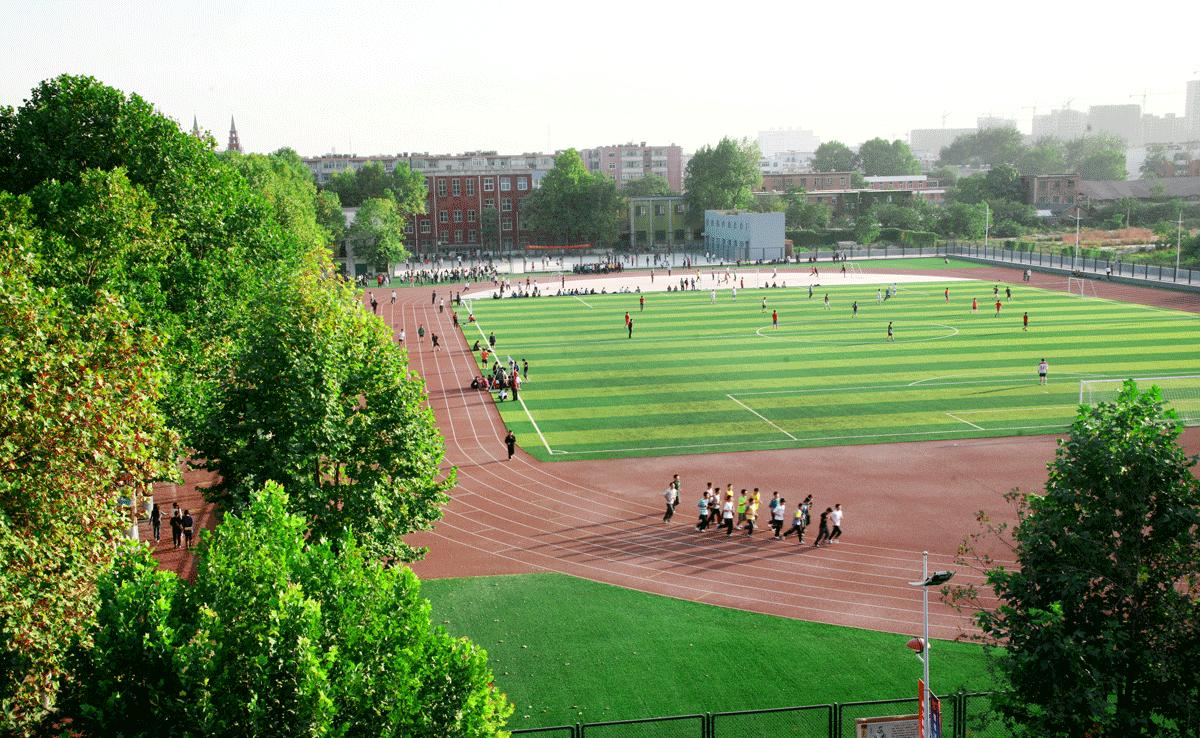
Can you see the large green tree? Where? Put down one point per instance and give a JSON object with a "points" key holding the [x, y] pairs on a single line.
{"points": [[834, 156], [283, 633], [878, 158], [378, 233], [652, 185], [1097, 157], [79, 428], [574, 205], [985, 148], [960, 220], [1099, 621], [321, 400], [1045, 156], [372, 180], [722, 177], [803, 214]]}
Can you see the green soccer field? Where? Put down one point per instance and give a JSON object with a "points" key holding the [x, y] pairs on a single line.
{"points": [[703, 377]]}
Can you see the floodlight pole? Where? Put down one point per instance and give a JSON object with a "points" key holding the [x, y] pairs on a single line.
{"points": [[1178, 239], [925, 652], [987, 218], [1076, 256]]}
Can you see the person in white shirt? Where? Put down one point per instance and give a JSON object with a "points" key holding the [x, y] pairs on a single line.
{"points": [[727, 515], [703, 505], [777, 514], [402, 335], [835, 519], [671, 496]]}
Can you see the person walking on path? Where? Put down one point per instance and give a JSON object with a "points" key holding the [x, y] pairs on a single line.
{"points": [[672, 498], [441, 306], [403, 335], [374, 304], [393, 297], [510, 443], [835, 519], [177, 526], [1043, 369], [823, 533], [188, 523], [156, 522]]}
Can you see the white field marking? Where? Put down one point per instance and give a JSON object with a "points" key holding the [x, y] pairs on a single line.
{"points": [[577, 297], [908, 434], [966, 421], [830, 390], [522, 401], [1013, 409], [762, 418], [803, 338]]}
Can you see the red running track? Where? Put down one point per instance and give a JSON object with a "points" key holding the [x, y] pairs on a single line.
{"points": [[602, 520]]}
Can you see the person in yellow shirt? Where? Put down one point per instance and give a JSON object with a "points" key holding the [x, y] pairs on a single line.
{"points": [[751, 514]]}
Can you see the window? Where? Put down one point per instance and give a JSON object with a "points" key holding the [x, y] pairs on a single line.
{"points": [[660, 236], [425, 225], [508, 242], [641, 209], [612, 166], [506, 204], [660, 209], [441, 187], [443, 216], [506, 224], [522, 183], [470, 236], [458, 237], [408, 227], [505, 184], [489, 202], [470, 216], [680, 208], [455, 189], [457, 216], [489, 184], [470, 187]]}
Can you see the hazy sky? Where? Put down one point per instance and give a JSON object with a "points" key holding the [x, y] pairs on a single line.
{"points": [[525, 75]]}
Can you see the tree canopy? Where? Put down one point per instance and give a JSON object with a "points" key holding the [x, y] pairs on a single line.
{"points": [[985, 148], [372, 180], [878, 158], [1106, 595], [279, 635], [652, 185], [834, 156], [574, 205], [722, 177]]}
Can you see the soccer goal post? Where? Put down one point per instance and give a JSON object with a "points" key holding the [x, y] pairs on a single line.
{"points": [[1081, 286], [853, 268], [1181, 393]]}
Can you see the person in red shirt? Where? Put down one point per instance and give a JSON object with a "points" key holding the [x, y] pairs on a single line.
{"points": [[974, 305], [1025, 322], [775, 319], [626, 319], [997, 309], [642, 302]]}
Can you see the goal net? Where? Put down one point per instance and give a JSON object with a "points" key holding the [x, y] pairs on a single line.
{"points": [[1181, 393], [852, 268], [1081, 286]]}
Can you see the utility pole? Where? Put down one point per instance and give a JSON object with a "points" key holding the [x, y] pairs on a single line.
{"points": [[1178, 240]]}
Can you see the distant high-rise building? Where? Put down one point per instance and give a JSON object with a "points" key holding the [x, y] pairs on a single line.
{"points": [[1164, 129], [1065, 125], [1191, 110], [933, 140], [627, 162], [1123, 121], [989, 121], [234, 144], [778, 141]]}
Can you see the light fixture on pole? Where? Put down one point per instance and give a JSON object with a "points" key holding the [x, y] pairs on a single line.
{"points": [[987, 219], [921, 646], [1178, 238]]}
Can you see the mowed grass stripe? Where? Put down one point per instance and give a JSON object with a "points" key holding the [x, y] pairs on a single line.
{"points": [[826, 374]]}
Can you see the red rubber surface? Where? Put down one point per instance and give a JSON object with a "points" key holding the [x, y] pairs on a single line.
{"points": [[602, 520]]}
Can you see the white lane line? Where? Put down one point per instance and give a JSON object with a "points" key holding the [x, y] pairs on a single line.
{"points": [[522, 401], [965, 421], [761, 417], [577, 297]]}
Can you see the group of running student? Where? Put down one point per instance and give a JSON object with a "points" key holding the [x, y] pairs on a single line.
{"points": [[722, 512]]}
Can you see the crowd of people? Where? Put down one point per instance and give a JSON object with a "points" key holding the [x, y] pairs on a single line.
{"points": [[721, 511]]}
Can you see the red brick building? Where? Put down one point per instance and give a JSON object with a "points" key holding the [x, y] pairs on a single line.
{"points": [[807, 181], [1053, 192], [455, 206]]}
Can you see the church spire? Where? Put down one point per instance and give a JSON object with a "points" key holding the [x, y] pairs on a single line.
{"points": [[234, 144], [195, 127]]}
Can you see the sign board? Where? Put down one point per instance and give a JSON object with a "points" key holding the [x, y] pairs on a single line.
{"points": [[896, 726]]}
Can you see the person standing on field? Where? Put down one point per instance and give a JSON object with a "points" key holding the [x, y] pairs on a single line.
{"points": [[642, 302], [630, 327], [1043, 369], [997, 315], [775, 319], [1025, 321], [974, 304], [890, 336]]}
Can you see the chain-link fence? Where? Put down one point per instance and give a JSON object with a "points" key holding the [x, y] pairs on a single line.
{"points": [[677, 726], [813, 721]]}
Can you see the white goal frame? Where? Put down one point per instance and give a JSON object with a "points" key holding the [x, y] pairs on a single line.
{"points": [[1081, 286], [1189, 413]]}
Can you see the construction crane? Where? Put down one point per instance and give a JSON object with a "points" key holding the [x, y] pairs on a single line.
{"points": [[1145, 94], [1067, 105], [945, 115]]}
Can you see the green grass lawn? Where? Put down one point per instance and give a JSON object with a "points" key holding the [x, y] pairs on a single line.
{"points": [[567, 650], [703, 377]]}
